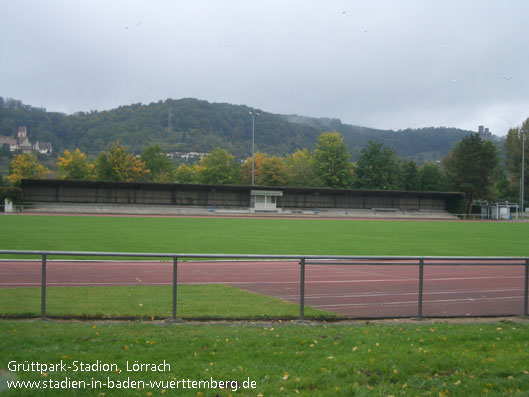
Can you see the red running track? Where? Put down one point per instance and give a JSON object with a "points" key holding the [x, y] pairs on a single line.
{"points": [[360, 291]]}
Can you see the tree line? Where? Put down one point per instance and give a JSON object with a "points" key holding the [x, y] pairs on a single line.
{"points": [[328, 165], [472, 166]]}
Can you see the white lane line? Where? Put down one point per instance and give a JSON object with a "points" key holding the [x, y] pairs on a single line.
{"points": [[405, 303], [413, 279], [371, 273], [371, 294], [289, 282]]}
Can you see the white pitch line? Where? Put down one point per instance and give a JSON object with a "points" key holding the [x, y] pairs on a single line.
{"points": [[290, 282], [371, 273], [472, 278], [415, 302], [371, 294], [200, 272], [412, 279]]}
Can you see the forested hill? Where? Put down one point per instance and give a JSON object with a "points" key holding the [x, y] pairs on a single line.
{"points": [[200, 126], [421, 144]]}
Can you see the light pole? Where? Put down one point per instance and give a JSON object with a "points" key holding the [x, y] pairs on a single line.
{"points": [[523, 169], [253, 113]]}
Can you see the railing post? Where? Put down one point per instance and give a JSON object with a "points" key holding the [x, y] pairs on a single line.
{"points": [[175, 285], [302, 289], [43, 289], [421, 279], [526, 289]]}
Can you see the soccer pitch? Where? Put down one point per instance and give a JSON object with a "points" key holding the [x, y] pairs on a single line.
{"points": [[263, 236], [273, 358]]}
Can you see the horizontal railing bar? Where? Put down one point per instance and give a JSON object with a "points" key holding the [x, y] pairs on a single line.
{"points": [[148, 255], [485, 263], [388, 263], [517, 263], [261, 256]]}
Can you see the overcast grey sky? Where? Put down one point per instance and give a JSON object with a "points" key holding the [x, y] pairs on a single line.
{"points": [[384, 64]]}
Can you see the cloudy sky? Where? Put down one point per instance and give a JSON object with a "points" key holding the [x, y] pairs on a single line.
{"points": [[386, 64]]}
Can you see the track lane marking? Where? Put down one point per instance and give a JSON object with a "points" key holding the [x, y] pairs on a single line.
{"points": [[372, 294], [407, 303]]}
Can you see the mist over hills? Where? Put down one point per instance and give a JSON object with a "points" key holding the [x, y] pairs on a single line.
{"points": [[196, 125], [420, 144]]}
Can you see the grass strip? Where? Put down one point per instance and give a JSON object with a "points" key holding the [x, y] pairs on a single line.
{"points": [[149, 302], [263, 236], [333, 359]]}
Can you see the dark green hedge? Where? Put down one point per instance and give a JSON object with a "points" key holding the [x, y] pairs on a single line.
{"points": [[12, 193]]}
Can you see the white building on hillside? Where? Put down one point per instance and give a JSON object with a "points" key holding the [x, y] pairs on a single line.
{"points": [[23, 144]]}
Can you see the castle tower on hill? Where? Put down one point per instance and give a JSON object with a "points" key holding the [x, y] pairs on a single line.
{"points": [[23, 142], [22, 133]]}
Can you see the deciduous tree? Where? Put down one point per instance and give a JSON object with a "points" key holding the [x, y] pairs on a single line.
{"points": [[502, 188], [377, 168], [119, 165], [331, 160], [513, 157], [187, 173], [273, 172], [158, 163], [268, 170], [5, 151], [409, 178], [74, 165], [246, 168], [302, 170], [469, 167], [431, 178], [219, 167], [26, 165]]}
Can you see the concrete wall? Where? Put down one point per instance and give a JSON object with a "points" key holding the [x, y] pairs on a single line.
{"points": [[100, 193], [355, 200]]}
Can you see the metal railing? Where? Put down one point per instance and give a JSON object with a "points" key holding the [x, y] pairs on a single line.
{"points": [[479, 217], [303, 260]]}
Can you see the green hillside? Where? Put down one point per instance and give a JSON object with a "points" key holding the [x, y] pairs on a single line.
{"points": [[195, 125]]}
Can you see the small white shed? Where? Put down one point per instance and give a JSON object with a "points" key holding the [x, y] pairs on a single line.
{"points": [[500, 210], [264, 200]]}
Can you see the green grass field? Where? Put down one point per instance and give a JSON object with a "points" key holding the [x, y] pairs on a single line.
{"points": [[283, 359], [150, 302], [263, 236]]}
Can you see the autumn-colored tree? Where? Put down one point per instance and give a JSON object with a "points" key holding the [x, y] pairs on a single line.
{"points": [[74, 165], [187, 173], [119, 165], [273, 172], [26, 166], [301, 169], [268, 171], [246, 168]]}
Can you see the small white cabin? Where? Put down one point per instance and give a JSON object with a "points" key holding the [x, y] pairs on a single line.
{"points": [[264, 200]]}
